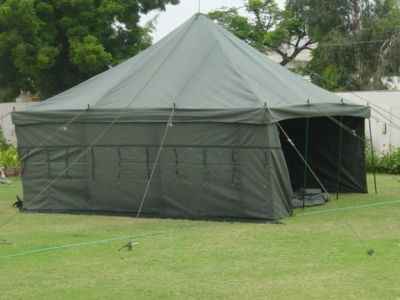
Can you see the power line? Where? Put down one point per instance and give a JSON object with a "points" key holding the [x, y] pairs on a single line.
{"points": [[349, 44], [392, 123]]}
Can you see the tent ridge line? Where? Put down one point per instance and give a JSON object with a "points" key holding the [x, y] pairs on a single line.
{"points": [[122, 81], [249, 56], [198, 68], [162, 62]]}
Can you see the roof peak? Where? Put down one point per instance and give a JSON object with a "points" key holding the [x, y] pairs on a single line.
{"points": [[200, 65]]}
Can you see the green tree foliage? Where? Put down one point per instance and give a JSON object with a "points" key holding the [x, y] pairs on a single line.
{"points": [[47, 46], [363, 49], [8, 154], [355, 43], [386, 163], [9, 157], [269, 28], [3, 143]]}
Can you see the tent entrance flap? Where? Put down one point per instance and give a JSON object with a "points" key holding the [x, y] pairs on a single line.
{"points": [[323, 152]]}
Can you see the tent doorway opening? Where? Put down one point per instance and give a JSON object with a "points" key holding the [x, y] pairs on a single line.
{"points": [[335, 154]]}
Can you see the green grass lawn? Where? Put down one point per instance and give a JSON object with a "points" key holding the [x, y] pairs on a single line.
{"points": [[320, 253]]}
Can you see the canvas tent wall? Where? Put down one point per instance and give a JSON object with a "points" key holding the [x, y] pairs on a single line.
{"points": [[222, 157], [206, 170]]}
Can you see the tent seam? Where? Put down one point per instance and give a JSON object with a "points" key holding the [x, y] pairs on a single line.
{"points": [[236, 68], [163, 62]]}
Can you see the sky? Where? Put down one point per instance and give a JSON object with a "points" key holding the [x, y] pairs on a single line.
{"points": [[177, 14]]}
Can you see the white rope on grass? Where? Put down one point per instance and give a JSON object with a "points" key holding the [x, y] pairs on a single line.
{"points": [[326, 211], [76, 245]]}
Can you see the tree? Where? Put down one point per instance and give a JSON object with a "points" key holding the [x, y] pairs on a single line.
{"points": [[354, 43], [48, 46], [364, 51], [268, 28]]}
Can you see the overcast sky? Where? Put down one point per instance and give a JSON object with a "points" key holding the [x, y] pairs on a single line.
{"points": [[177, 14]]}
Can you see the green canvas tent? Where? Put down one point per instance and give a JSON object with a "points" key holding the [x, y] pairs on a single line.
{"points": [[187, 128]]}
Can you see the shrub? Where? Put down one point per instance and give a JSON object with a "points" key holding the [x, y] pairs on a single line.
{"points": [[8, 154], [384, 163], [9, 157], [3, 144]]}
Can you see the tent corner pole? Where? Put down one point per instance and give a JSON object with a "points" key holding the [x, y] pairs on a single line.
{"points": [[339, 170], [372, 155], [306, 157]]}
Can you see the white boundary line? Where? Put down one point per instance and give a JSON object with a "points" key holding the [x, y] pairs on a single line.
{"points": [[325, 211]]}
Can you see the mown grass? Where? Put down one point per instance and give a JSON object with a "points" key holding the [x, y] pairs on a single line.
{"points": [[320, 253]]}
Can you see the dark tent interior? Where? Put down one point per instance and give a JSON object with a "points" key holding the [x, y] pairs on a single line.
{"points": [[334, 153]]}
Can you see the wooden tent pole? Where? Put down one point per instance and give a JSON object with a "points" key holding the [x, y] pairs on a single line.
{"points": [[373, 156], [306, 149], [339, 169]]}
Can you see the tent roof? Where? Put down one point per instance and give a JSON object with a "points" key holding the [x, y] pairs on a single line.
{"points": [[199, 66]]}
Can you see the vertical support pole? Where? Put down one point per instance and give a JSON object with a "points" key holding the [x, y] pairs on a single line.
{"points": [[20, 153], [340, 150], [373, 155], [119, 162], [306, 150], [390, 130], [148, 163], [176, 162], [93, 158], [67, 162], [233, 161], [205, 168], [48, 163]]}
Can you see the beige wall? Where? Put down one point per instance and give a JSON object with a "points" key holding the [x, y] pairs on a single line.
{"points": [[385, 116], [5, 119]]}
